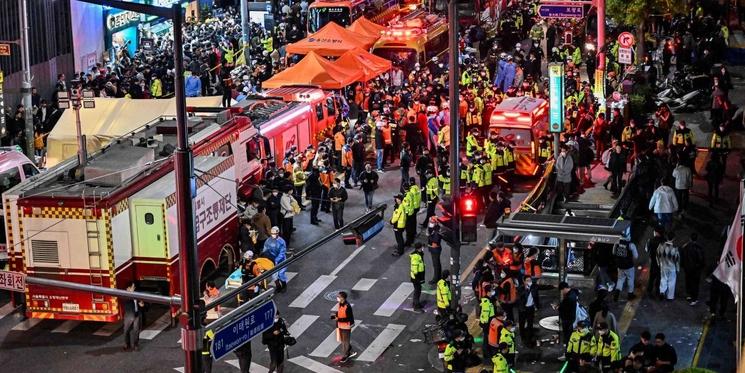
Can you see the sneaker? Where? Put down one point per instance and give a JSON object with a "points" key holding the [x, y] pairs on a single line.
{"points": [[344, 360], [693, 303], [352, 354]]}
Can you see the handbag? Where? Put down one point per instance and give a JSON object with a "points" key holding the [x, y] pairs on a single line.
{"points": [[289, 340]]}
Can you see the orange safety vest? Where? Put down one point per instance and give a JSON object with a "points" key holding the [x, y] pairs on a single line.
{"points": [[517, 262], [510, 297], [346, 158], [532, 269], [326, 178], [502, 259], [339, 141], [289, 167], [341, 313], [387, 135], [495, 329]]}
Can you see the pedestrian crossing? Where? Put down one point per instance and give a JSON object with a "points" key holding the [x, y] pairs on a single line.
{"points": [[6, 310]]}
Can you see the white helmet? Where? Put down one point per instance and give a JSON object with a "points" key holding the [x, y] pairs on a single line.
{"points": [[248, 255], [518, 45], [274, 230]]}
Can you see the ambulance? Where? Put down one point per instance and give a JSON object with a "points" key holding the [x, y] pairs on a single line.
{"points": [[521, 121], [324, 106], [415, 38]]}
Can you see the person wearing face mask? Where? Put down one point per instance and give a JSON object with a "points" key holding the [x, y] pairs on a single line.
{"points": [[564, 169], [274, 339], [344, 322], [486, 313], [507, 336], [417, 274], [369, 182], [455, 354], [273, 205], [579, 345], [434, 243], [337, 196], [507, 294], [528, 303], [275, 248], [606, 347]]}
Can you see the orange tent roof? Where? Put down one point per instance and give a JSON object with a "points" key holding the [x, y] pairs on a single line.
{"points": [[316, 70], [367, 27], [331, 40], [359, 59]]}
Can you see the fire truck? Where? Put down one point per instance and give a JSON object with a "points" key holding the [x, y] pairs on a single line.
{"points": [[522, 121], [324, 106], [344, 12], [417, 37], [113, 222]]}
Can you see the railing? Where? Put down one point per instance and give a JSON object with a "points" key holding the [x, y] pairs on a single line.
{"points": [[539, 192]]}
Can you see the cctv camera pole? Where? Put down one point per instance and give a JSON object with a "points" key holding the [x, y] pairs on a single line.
{"points": [[454, 150], [26, 85]]}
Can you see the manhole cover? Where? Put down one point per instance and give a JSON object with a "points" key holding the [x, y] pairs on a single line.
{"points": [[331, 295], [550, 323]]}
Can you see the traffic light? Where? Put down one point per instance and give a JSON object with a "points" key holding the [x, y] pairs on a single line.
{"points": [[445, 220], [469, 209]]}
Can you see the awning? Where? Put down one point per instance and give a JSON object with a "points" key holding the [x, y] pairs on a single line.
{"points": [[366, 27], [315, 70], [359, 59], [331, 40]]}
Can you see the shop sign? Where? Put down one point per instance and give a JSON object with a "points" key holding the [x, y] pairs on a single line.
{"points": [[556, 97], [599, 89], [122, 20], [4, 49]]}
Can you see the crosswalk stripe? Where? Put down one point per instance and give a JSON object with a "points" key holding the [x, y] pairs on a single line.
{"points": [[6, 310], [312, 291], [346, 261], [301, 324], [364, 284], [254, 368], [330, 344], [395, 299], [179, 369], [66, 326], [108, 329], [26, 324], [156, 327], [381, 342], [290, 276], [313, 365]]}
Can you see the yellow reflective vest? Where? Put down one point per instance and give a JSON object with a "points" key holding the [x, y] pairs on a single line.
{"points": [[415, 197], [488, 171], [471, 145], [579, 342], [719, 141], [431, 188], [298, 177], [449, 355], [500, 364], [444, 184], [417, 264], [478, 175], [508, 337], [443, 294], [399, 217], [487, 311], [606, 346]]}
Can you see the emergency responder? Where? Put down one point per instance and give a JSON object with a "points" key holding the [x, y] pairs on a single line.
{"points": [[507, 335], [209, 336], [477, 177], [443, 295], [466, 173], [509, 157], [682, 136], [413, 199], [417, 274], [544, 149], [501, 365], [507, 294], [298, 181], [495, 331], [720, 142], [434, 243], [472, 144], [344, 323], [455, 354], [431, 190], [444, 183], [606, 347], [579, 344], [398, 220], [486, 313], [499, 161]]}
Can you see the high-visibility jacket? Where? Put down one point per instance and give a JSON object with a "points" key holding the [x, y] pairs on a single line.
{"points": [[209, 335], [229, 55], [488, 172], [495, 330], [326, 178], [471, 145], [465, 174], [417, 266], [473, 118], [268, 44], [416, 197], [465, 78], [156, 88], [408, 205], [508, 337], [298, 177], [680, 136], [720, 141], [443, 294], [509, 158], [544, 150], [606, 346], [478, 175], [500, 364], [487, 311], [502, 258], [387, 135], [339, 141], [489, 147], [443, 137], [579, 343], [346, 157], [626, 134], [507, 291], [449, 355], [432, 189], [341, 314], [444, 184], [532, 269], [399, 217], [497, 160]]}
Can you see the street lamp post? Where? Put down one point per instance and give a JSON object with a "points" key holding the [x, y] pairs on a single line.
{"points": [[77, 99], [454, 149]]}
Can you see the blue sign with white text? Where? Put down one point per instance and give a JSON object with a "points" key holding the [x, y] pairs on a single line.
{"points": [[240, 331], [561, 11], [556, 97]]}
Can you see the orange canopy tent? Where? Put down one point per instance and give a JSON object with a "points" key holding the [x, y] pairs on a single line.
{"points": [[331, 40], [316, 70], [359, 59], [366, 27]]}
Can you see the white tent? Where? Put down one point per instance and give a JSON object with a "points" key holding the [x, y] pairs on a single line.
{"points": [[111, 118]]}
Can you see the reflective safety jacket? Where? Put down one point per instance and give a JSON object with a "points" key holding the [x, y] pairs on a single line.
{"points": [[682, 136], [399, 217], [500, 364], [444, 184], [408, 205], [443, 294], [488, 172], [508, 337], [416, 197], [579, 343], [449, 355], [417, 267], [720, 141], [472, 145], [431, 188], [478, 175], [298, 177], [487, 311], [606, 346]]}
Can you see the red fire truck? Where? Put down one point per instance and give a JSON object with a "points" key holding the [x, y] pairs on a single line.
{"points": [[521, 121], [323, 105]]}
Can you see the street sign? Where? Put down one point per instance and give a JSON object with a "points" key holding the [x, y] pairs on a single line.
{"points": [[626, 39], [13, 281], [561, 11], [556, 97], [4, 49], [624, 56], [241, 330]]}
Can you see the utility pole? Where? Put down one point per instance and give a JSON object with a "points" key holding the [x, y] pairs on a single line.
{"points": [[26, 85], [600, 5], [245, 28], [454, 150]]}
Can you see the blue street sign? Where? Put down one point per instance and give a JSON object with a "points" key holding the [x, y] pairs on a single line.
{"points": [[556, 97], [243, 329], [561, 11]]}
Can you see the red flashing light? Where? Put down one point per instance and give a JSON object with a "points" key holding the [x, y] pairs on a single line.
{"points": [[469, 206]]}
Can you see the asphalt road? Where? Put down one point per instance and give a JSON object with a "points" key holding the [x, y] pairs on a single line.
{"points": [[388, 334]]}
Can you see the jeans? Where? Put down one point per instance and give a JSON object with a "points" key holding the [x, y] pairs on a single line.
{"points": [[603, 276], [667, 282], [665, 219], [379, 158], [624, 276], [337, 210], [682, 196], [369, 199]]}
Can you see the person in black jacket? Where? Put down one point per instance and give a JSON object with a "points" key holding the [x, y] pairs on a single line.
{"points": [[369, 181], [422, 165], [358, 158], [313, 192], [405, 164], [338, 196], [498, 204], [528, 302], [273, 207], [617, 167], [274, 339], [133, 312], [567, 310]]}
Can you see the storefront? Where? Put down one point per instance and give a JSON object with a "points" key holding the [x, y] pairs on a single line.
{"points": [[123, 28]]}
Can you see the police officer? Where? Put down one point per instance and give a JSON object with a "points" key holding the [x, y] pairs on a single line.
{"points": [[606, 347], [444, 182], [472, 145], [682, 136], [455, 353], [544, 149], [417, 274], [431, 192], [720, 142], [507, 336], [579, 344], [434, 242], [413, 199], [443, 294], [501, 365], [486, 313], [398, 220]]}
